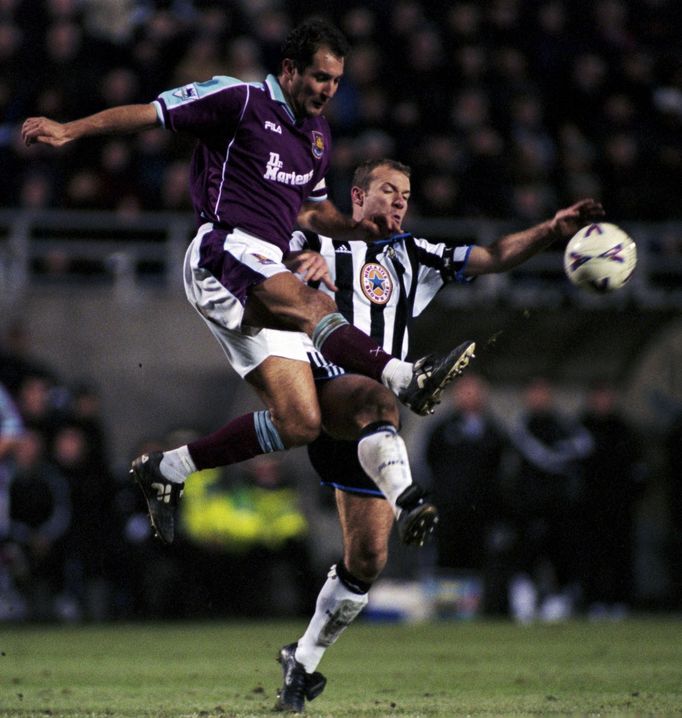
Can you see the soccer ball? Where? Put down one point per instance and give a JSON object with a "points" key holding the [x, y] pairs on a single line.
{"points": [[600, 258]]}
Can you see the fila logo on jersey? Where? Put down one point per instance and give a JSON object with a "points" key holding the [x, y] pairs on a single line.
{"points": [[274, 172], [376, 283], [272, 127]]}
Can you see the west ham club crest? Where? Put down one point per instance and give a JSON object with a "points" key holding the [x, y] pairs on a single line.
{"points": [[318, 144]]}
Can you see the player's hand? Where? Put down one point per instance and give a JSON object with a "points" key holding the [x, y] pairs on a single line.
{"points": [[568, 221], [44, 131], [310, 267], [376, 227]]}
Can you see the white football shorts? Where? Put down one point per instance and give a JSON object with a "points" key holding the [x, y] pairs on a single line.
{"points": [[219, 302]]}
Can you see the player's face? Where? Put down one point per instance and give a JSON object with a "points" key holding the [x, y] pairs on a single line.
{"points": [[388, 194], [308, 92]]}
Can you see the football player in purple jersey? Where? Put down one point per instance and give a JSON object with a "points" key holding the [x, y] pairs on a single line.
{"points": [[258, 169]]}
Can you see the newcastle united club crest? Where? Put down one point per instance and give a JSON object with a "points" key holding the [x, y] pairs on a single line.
{"points": [[376, 283]]}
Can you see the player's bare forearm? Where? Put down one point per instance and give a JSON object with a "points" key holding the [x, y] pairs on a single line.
{"points": [[513, 249], [324, 218], [116, 120]]}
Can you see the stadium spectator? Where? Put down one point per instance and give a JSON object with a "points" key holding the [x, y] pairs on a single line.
{"points": [[41, 403], [544, 494], [10, 431], [36, 191], [243, 59], [464, 452], [85, 410], [244, 543], [614, 481], [16, 360], [673, 462], [40, 511], [91, 541], [203, 58]]}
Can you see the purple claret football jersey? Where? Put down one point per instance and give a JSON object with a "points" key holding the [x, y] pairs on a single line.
{"points": [[254, 165]]}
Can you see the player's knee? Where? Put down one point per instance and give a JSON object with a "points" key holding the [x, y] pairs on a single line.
{"points": [[384, 403], [322, 304], [377, 404], [368, 561], [300, 427], [316, 305]]}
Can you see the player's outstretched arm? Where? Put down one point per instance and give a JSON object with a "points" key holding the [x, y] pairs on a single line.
{"points": [[116, 120], [325, 218], [513, 249]]}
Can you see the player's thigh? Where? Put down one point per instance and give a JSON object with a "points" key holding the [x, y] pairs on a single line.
{"points": [[284, 302], [246, 352], [351, 402], [287, 389], [366, 524]]}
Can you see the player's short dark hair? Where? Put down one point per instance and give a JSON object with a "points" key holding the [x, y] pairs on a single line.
{"points": [[363, 172], [308, 37]]}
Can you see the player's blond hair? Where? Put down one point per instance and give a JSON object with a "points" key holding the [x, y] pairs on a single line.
{"points": [[363, 172]]}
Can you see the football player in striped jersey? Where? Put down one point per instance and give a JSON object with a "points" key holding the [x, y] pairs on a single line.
{"points": [[380, 286]]}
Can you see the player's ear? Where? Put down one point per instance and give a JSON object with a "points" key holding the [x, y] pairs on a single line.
{"points": [[357, 196], [288, 67]]}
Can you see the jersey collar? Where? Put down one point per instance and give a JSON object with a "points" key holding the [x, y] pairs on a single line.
{"points": [[392, 239], [276, 94]]}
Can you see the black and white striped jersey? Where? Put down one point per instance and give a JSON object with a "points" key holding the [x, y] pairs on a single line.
{"points": [[382, 286]]}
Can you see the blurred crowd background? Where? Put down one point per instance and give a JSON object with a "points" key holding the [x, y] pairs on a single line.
{"points": [[505, 110], [540, 498]]}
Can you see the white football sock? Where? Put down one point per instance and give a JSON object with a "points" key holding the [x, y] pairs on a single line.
{"points": [[396, 375], [177, 465], [335, 609], [383, 457]]}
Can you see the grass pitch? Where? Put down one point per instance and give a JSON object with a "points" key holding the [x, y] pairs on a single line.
{"points": [[227, 670]]}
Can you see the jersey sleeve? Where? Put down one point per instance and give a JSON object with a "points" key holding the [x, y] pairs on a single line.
{"points": [[439, 264], [318, 193], [298, 241], [202, 107]]}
